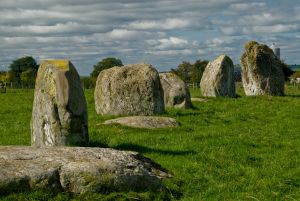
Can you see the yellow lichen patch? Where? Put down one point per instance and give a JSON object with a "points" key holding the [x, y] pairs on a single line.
{"points": [[60, 64]]}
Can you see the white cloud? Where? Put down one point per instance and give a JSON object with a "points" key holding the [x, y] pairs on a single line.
{"points": [[278, 28], [247, 6], [161, 32], [167, 24], [172, 42]]}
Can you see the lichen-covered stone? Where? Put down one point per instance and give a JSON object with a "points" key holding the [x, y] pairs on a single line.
{"points": [[262, 71], [129, 90], [176, 92], [76, 170], [218, 78], [149, 122], [59, 114]]}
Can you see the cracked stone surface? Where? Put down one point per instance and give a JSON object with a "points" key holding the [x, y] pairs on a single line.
{"points": [[76, 170]]}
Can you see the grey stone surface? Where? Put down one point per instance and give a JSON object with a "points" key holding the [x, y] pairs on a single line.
{"points": [[76, 170], [149, 122], [176, 92], [218, 78], [129, 90], [262, 72], [59, 114]]}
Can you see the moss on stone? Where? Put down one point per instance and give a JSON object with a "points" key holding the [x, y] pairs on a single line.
{"points": [[60, 64]]}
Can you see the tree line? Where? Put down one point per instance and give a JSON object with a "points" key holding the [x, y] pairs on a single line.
{"points": [[22, 71]]}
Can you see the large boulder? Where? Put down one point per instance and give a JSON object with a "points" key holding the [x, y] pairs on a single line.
{"points": [[262, 71], [176, 92], [218, 78], [76, 170], [148, 122], [59, 114], [129, 90]]}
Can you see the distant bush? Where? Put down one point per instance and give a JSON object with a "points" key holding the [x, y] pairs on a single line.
{"points": [[295, 74]]}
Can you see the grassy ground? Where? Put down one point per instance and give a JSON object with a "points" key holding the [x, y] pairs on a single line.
{"points": [[225, 149]]}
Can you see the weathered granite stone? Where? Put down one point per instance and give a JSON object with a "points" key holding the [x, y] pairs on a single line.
{"points": [[218, 78], [149, 122], [129, 90], [76, 170], [262, 71], [59, 114], [176, 92]]}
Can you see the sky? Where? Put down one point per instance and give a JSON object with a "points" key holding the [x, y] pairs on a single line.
{"points": [[160, 32]]}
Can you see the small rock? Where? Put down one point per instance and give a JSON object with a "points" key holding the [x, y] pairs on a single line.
{"points": [[129, 90], [262, 71], [149, 122], [59, 114], [218, 78], [76, 170], [176, 92]]}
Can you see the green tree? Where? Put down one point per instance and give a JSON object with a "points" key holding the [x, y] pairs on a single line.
{"points": [[105, 64], [191, 73], [28, 77], [198, 69], [21, 65], [184, 71]]}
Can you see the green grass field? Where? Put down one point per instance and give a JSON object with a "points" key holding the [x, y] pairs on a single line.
{"points": [[246, 148]]}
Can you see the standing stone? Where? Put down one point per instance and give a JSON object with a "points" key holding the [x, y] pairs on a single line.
{"points": [[129, 90], [59, 115], [218, 78], [176, 92], [262, 71]]}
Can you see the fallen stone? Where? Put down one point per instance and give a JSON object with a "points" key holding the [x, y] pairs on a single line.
{"points": [[149, 122], [129, 90], [76, 170], [176, 92], [262, 71], [199, 100], [218, 78], [59, 114]]}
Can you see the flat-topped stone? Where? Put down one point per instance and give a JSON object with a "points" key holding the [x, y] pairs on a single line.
{"points": [[149, 122], [59, 114], [76, 170]]}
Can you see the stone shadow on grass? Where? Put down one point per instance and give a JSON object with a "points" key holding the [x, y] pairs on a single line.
{"points": [[143, 149]]}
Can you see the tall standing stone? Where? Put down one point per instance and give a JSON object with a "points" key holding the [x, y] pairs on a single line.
{"points": [[262, 71], [176, 92], [59, 115], [218, 78], [129, 90]]}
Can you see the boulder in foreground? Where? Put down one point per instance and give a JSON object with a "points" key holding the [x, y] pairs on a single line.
{"points": [[59, 114], [76, 170], [262, 71], [129, 90], [149, 122], [176, 92]]}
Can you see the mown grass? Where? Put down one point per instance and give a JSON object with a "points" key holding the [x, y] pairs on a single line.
{"points": [[245, 148]]}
